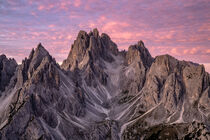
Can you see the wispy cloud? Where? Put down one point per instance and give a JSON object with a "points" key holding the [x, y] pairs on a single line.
{"points": [[179, 27]]}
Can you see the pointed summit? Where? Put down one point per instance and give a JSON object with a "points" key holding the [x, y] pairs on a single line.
{"points": [[38, 55], [90, 46], [40, 50], [97, 96], [3, 56], [40, 45], [31, 64], [139, 52], [141, 43], [95, 33], [109, 44]]}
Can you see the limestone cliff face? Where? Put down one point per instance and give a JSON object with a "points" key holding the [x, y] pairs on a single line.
{"points": [[38, 68], [88, 53], [90, 47], [138, 61], [102, 93], [139, 53]]}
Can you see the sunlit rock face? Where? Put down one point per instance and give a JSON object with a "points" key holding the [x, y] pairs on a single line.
{"points": [[102, 93]]}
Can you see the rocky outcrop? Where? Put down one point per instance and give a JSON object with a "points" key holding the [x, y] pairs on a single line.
{"points": [[105, 130], [88, 52], [173, 91], [138, 60], [139, 53], [90, 47], [39, 60], [197, 131], [102, 93], [7, 70], [194, 130], [38, 83], [78, 50]]}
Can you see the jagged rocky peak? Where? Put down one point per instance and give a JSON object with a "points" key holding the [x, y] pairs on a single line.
{"points": [[109, 44], [95, 33], [7, 70], [38, 61], [37, 56], [139, 52], [98, 96], [90, 47], [164, 65]]}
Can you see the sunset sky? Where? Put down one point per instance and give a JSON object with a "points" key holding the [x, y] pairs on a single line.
{"points": [[180, 28]]}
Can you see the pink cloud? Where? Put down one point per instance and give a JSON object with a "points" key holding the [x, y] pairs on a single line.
{"points": [[41, 7], [193, 50], [64, 5], [207, 67], [51, 26], [208, 51], [185, 51], [33, 14], [174, 51], [46, 7], [77, 3], [179, 28], [114, 25]]}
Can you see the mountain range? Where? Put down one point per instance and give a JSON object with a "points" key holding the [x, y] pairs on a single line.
{"points": [[101, 93]]}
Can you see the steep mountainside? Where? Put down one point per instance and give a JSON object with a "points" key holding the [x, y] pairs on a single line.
{"points": [[7, 69], [101, 93]]}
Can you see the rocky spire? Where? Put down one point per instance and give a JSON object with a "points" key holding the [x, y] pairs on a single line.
{"points": [[106, 40], [7, 70], [37, 62], [103, 98], [139, 52], [90, 46], [138, 60]]}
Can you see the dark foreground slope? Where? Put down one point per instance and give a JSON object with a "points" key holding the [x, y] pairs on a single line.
{"points": [[102, 93]]}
